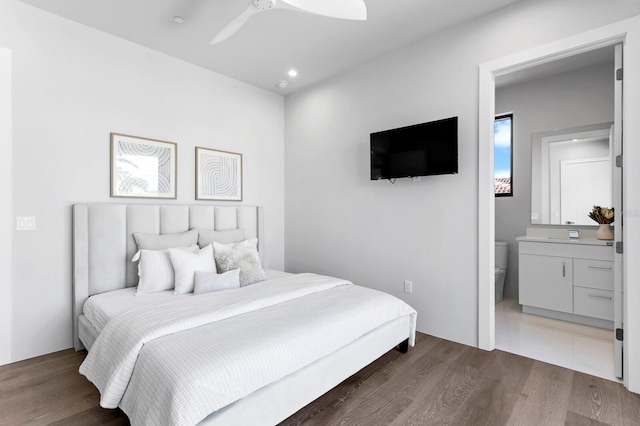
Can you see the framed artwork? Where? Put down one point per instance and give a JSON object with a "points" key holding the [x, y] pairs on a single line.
{"points": [[218, 175], [142, 168]]}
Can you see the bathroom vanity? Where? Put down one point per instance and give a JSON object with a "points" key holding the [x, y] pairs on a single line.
{"points": [[567, 279]]}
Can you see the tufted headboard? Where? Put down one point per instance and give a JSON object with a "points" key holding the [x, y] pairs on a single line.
{"points": [[103, 242]]}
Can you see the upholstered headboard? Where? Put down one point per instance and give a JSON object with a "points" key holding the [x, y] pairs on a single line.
{"points": [[103, 242]]}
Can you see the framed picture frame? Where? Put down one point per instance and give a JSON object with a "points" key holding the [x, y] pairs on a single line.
{"points": [[218, 175], [142, 167]]}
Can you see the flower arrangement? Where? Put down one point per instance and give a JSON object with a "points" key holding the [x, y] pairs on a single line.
{"points": [[602, 215]]}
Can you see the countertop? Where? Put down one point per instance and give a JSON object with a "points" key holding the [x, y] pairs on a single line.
{"points": [[567, 240]]}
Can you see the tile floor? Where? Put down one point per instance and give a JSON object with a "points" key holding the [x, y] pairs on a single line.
{"points": [[575, 346]]}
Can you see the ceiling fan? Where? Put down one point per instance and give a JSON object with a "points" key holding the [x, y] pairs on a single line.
{"points": [[343, 9]]}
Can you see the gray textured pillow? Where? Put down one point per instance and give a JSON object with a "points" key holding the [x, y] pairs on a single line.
{"points": [[208, 236], [244, 257], [165, 241], [211, 281]]}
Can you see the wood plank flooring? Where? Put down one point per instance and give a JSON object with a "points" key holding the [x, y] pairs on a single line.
{"points": [[436, 383]]}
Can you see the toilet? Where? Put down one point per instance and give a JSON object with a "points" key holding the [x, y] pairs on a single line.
{"points": [[502, 257]]}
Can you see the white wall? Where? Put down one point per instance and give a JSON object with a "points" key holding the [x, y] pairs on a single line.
{"points": [[72, 86], [571, 99], [378, 234], [5, 207]]}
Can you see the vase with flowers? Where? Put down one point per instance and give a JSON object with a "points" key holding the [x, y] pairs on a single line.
{"points": [[604, 216]]}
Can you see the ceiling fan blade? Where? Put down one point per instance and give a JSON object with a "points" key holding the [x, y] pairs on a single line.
{"points": [[236, 24], [343, 9]]}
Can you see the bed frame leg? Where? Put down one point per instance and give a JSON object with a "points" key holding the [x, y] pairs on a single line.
{"points": [[404, 347]]}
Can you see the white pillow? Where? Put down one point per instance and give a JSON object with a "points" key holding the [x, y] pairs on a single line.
{"points": [[211, 281], [186, 264], [243, 256], [155, 270]]}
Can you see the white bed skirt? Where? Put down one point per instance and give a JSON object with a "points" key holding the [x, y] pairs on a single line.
{"points": [[277, 401]]}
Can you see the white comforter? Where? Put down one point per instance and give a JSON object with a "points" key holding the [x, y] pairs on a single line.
{"points": [[177, 362]]}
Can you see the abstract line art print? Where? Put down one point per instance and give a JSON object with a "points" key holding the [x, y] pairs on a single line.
{"points": [[142, 168], [218, 175]]}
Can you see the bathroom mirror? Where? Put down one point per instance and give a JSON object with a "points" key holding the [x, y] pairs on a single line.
{"points": [[570, 173]]}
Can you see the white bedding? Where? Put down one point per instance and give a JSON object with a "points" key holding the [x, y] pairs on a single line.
{"points": [[231, 344], [100, 308]]}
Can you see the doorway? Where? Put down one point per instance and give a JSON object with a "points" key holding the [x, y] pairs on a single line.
{"points": [[561, 115], [488, 74]]}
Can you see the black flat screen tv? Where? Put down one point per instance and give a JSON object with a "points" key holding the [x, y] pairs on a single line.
{"points": [[419, 150]]}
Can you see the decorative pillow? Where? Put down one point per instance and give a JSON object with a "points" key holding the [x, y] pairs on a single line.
{"points": [[165, 241], [186, 264], [208, 236], [251, 242], [155, 271], [243, 256], [211, 281]]}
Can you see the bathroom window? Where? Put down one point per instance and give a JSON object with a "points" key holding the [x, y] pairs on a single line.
{"points": [[503, 155]]}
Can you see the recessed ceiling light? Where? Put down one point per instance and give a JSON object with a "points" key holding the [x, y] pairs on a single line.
{"points": [[178, 19], [292, 73]]}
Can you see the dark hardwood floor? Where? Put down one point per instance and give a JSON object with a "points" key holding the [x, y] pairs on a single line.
{"points": [[436, 383]]}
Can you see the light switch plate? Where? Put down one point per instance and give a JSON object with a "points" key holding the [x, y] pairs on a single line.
{"points": [[25, 223]]}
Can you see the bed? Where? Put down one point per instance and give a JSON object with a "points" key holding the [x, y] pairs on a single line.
{"points": [[254, 355]]}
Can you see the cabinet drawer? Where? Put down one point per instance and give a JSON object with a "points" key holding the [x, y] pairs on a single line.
{"points": [[592, 302], [593, 273]]}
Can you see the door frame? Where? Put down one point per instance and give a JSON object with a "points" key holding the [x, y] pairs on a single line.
{"points": [[6, 210], [619, 32], [618, 178]]}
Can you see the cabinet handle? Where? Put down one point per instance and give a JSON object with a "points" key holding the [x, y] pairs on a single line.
{"points": [[599, 267], [597, 296], [563, 269]]}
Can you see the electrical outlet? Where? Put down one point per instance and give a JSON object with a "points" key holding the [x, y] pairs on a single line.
{"points": [[408, 286]]}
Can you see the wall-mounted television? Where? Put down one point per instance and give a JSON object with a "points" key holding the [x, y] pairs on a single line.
{"points": [[419, 150]]}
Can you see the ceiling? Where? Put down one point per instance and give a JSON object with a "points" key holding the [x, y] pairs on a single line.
{"points": [[273, 42]]}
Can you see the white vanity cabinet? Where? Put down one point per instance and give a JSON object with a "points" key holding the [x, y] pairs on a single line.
{"points": [[593, 288], [568, 280], [546, 282]]}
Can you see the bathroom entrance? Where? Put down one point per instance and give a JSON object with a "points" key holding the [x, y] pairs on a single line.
{"points": [[579, 90]]}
